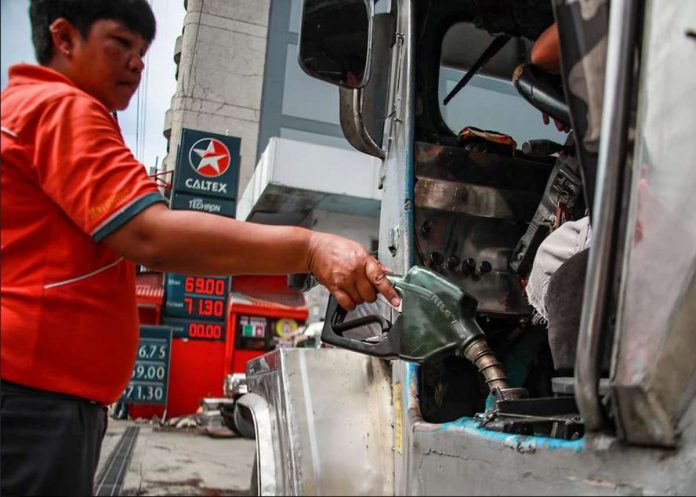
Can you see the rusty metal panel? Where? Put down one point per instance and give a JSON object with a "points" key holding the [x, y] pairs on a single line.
{"points": [[474, 207]]}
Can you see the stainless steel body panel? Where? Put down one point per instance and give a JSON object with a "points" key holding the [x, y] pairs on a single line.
{"points": [[325, 443], [655, 370], [396, 240], [331, 417], [459, 458], [396, 216], [266, 428]]}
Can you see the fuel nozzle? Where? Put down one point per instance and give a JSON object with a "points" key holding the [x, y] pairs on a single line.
{"points": [[437, 318], [481, 355]]}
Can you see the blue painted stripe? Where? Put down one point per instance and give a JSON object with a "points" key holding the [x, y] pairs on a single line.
{"points": [[125, 215], [471, 427], [522, 443], [410, 172], [411, 385]]}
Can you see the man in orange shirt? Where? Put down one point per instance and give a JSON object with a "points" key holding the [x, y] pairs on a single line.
{"points": [[77, 212]]}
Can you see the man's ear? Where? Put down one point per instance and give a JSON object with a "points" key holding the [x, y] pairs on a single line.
{"points": [[65, 37]]}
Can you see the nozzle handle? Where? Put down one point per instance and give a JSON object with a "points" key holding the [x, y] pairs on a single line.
{"points": [[335, 327]]}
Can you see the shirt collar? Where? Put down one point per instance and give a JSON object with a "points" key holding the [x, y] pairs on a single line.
{"points": [[29, 73]]}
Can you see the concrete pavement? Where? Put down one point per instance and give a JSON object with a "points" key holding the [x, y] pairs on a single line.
{"points": [[183, 461]]}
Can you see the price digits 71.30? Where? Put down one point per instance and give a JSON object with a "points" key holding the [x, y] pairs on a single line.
{"points": [[145, 392], [204, 307]]}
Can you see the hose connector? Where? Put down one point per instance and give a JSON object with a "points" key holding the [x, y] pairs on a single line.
{"points": [[481, 355]]}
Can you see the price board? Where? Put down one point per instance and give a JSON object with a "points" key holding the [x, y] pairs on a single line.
{"points": [[197, 297], [197, 329], [150, 378]]}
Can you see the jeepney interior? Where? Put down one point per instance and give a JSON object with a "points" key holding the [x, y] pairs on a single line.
{"points": [[479, 184], [492, 182]]}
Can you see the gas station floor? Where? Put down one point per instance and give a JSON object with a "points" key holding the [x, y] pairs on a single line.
{"points": [[171, 461]]}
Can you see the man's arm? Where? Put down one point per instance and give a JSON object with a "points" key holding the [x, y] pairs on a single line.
{"points": [[200, 243]]}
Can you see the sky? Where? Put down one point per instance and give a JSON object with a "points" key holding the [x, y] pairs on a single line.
{"points": [[146, 140]]}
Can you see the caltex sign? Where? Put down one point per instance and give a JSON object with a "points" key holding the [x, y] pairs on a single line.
{"points": [[208, 164]]}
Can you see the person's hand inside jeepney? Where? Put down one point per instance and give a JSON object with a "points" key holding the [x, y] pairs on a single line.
{"points": [[546, 54], [559, 125]]}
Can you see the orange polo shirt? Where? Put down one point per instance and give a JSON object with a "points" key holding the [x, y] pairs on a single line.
{"points": [[69, 316]]}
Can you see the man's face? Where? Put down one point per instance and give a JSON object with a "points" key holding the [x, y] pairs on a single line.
{"points": [[108, 63]]}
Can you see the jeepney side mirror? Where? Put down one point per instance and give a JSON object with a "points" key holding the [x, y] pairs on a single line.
{"points": [[336, 41]]}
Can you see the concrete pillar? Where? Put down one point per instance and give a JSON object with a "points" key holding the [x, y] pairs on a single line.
{"points": [[221, 59]]}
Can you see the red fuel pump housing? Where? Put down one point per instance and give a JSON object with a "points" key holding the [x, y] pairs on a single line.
{"points": [[259, 309], [263, 310]]}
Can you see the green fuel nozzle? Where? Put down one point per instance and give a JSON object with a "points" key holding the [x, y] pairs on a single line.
{"points": [[437, 318]]}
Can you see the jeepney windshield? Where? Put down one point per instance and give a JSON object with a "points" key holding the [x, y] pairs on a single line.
{"points": [[489, 101]]}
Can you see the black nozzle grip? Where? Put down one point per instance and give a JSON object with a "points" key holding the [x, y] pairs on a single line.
{"points": [[335, 326]]}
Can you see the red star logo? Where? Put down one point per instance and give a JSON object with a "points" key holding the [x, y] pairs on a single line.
{"points": [[209, 157]]}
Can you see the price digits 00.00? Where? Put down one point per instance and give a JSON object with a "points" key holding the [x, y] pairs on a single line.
{"points": [[200, 330]]}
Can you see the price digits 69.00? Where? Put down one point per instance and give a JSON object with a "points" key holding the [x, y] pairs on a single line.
{"points": [[204, 286], [151, 372]]}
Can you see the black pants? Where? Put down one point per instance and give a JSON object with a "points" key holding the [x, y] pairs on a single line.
{"points": [[49, 442]]}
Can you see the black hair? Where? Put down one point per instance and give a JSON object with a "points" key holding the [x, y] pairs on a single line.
{"points": [[135, 14]]}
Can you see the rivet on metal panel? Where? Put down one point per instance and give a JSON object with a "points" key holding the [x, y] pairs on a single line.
{"points": [[485, 267], [436, 258], [469, 266], [393, 242]]}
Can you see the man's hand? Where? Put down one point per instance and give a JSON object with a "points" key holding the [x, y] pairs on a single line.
{"points": [[348, 271]]}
